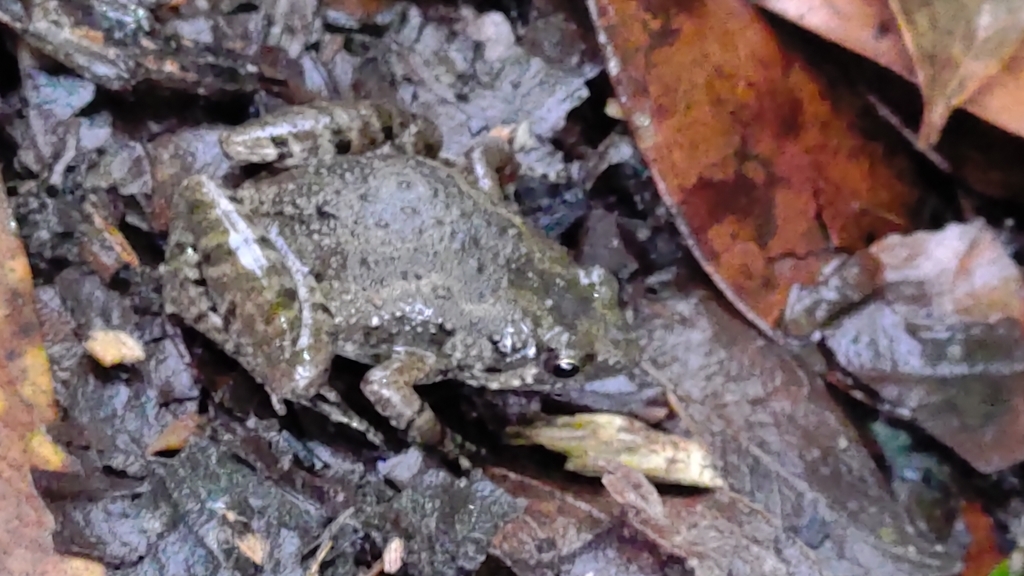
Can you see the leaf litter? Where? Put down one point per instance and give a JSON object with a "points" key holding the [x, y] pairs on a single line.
{"points": [[26, 407], [973, 59], [956, 46], [939, 338], [177, 464]]}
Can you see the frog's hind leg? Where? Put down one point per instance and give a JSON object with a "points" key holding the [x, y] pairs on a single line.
{"points": [[295, 135]]}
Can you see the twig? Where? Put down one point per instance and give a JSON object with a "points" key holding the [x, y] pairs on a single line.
{"points": [[325, 542]]}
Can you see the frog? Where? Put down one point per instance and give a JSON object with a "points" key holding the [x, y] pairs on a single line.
{"points": [[357, 240]]}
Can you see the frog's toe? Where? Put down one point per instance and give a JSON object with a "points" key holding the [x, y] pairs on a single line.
{"points": [[330, 394], [339, 413], [278, 404], [426, 428]]}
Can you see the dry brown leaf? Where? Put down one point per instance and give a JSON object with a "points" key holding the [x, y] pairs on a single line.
{"points": [[956, 46], [26, 406], [252, 546], [103, 246], [634, 491], [177, 435], [868, 28], [43, 454], [965, 268], [593, 440], [765, 174], [113, 347], [360, 10], [984, 554], [941, 340]]}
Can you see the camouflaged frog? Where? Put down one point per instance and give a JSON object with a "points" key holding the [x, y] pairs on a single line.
{"points": [[384, 255]]}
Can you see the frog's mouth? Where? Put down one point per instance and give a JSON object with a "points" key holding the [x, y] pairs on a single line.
{"points": [[543, 372]]}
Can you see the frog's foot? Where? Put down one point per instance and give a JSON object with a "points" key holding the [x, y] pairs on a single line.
{"points": [[491, 161], [389, 387], [341, 414], [295, 135]]}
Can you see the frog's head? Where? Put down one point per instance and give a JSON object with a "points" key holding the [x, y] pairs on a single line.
{"points": [[582, 331]]}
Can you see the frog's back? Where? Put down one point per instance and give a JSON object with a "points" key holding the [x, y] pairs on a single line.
{"points": [[405, 236], [400, 216]]}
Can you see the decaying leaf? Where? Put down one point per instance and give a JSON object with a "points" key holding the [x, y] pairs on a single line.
{"points": [[564, 519], [781, 443], [956, 46], [177, 435], [717, 533], [356, 13], [592, 440], [26, 405], [79, 37], [942, 341], [113, 347], [391, 559], [868, 28], [499, 83], [984, 555], [633, 490], [102, 245], [253, 547], [964, 269], [445, 524], [765, 175], [704, 530]]}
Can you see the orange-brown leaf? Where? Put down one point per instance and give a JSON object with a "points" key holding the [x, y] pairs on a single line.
{"points": [[177, 435], [983, 554], [766, 175], [26, 406]]}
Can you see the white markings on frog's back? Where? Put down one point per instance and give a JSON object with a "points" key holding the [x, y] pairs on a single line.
{"points": [[416, 312], [299, 273], [242, 239], [597, 278]]}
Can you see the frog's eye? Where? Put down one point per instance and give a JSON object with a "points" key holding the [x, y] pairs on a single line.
{"points": [[564, 367]]}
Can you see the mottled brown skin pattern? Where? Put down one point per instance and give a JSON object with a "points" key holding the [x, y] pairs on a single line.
{"points": [[395, 260]]}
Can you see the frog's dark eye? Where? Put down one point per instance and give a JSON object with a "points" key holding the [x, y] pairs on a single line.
{"points": [[564, 368]]}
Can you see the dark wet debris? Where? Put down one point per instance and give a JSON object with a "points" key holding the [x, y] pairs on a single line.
{"points": [[447, 524]]}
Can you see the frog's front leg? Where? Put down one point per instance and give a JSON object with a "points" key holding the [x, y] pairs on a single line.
{"points": [[389, 387], [295, 135]]}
